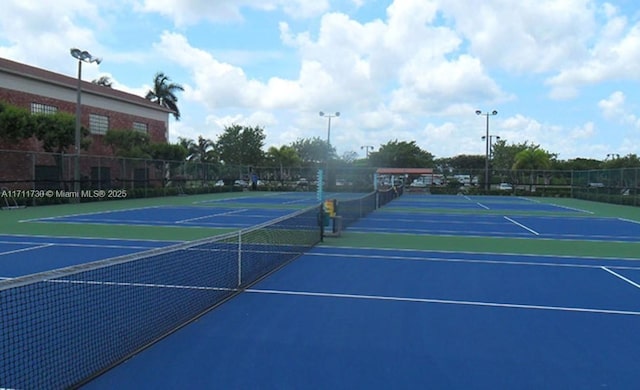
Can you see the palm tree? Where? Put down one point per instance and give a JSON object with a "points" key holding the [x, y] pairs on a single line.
{"points": [[533, 159], [164, 93], [201, 152], [286, 156], [104, 81]]}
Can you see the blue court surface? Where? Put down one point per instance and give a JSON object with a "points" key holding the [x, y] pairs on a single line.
{"points": [[187, 216], [24, 255], [517, 226], [341, 318]]}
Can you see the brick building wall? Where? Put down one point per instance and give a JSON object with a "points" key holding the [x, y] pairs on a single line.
{"points": [[24, 161]]}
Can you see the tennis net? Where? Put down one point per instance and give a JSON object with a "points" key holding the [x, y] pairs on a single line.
{"points": [[353, 209], [61, 328]]}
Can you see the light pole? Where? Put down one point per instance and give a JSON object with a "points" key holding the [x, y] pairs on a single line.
{"points": [[486, 153], [366, 149], [329, 116], [81, 56], [491, 137]]}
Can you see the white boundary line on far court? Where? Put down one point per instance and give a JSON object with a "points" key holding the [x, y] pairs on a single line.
{"points": [[88, 213], [536, 262], [521, 225], [25, 249], [212, 215], [631, 282]]}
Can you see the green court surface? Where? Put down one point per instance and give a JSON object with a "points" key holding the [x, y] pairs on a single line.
{"points": [[457, 243], [21, 221]]}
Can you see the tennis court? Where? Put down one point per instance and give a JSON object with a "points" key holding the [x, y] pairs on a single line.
{"points": [[426, 291], [353, 318]]}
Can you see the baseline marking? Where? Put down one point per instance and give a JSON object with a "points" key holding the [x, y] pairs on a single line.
{"points": [[212, 215], [628, 220], [521, 225], [25, 249], [631, 282], [483, 206]]}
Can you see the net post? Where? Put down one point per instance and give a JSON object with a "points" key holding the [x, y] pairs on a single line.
{"points": [[240, 258]]}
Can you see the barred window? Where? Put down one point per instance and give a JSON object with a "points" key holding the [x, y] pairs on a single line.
{"points": [[98, 124], [39, 108], [141, 127]]}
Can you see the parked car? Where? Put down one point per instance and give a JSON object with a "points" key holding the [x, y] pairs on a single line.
{"points": [[219, 183], [505, 187], [241, 183]]}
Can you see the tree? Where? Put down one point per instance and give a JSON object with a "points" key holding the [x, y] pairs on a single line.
{"points": [[241, 145], [57, 133], [403, 154], [313, 150], [204, 150], [628, 161], [285, 156], [534, 159], [349, 157], [128, 143], [467, 163], [504, 156], [104, 81], [164, 93], [578, 164], [15, 123], [167, 152]]}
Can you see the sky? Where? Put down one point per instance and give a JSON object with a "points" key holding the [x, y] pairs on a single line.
{"points": [[562, 74]]}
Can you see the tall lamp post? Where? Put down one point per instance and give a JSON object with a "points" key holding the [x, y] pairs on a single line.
{"points": [[491, 137], [81, 56], [486, 153], [329, 116], [366, 149]]}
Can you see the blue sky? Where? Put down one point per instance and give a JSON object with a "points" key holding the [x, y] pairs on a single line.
{"points": [[563, 74]]}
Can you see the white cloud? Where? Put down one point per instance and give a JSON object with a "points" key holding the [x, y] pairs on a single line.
{"points": [[42, 35], [614, 56], [189, 12], [614, 108], [524, 36]]}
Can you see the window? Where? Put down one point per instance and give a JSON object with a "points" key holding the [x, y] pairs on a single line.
{"points": [[140, 127], [98, 124], [39, 108]]}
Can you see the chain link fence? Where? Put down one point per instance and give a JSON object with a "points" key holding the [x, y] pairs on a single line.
{"points": [[20, 170]]}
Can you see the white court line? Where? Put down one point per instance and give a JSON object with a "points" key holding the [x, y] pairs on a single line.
{"points": [[628, 220], [362, 297], [446, 302], [483, 206], [297, 201], [25, 249], [521, 225], [78, 238], [211, 215], [631, 282], [75, 245], [90, 213], [570, 208], [462, 260]]}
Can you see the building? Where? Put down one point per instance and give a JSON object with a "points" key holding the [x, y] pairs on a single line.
{"points": [[102, 109]]}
